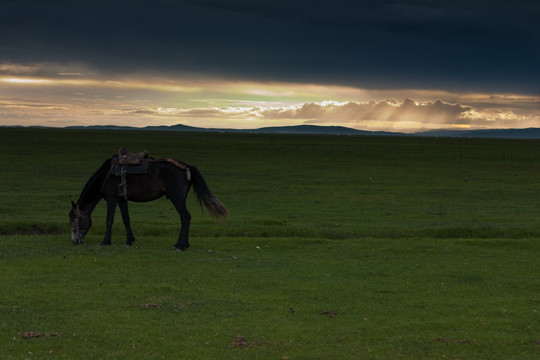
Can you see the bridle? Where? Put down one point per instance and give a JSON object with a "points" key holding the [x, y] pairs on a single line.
{"points": [[76, 221]]}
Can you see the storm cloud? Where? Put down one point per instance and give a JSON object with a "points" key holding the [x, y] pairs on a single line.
{"points": [[474, 45]]}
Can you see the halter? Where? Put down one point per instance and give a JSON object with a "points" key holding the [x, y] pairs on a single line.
{"points": [[78, 216]]}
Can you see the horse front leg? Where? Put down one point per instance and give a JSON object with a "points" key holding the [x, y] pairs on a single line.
{"points": [[111, 208], [130, 238], [185, 219]]}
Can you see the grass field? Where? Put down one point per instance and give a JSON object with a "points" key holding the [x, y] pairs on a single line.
{"points": [[336, 247]]}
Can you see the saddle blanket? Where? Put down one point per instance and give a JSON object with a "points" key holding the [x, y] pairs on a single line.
{"points": [[118, 169]]}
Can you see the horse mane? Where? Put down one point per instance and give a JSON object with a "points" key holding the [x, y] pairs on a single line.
{"points": [[92, 189]]}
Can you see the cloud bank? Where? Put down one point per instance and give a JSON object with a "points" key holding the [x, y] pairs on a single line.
{"points": [[389, 114]]}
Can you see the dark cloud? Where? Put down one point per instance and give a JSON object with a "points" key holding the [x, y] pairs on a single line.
{"points": [[475, 45]]}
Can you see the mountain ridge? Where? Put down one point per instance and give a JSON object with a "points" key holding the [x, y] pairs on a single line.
{"points": [[514, 133]]}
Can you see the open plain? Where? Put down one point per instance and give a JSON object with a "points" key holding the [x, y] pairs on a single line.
{"points": [[336, 247]]}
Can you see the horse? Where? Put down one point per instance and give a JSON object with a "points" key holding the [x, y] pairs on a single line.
{"points": [[165, 177]]}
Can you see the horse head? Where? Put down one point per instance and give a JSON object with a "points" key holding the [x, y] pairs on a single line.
{"points": [[80, 223]]}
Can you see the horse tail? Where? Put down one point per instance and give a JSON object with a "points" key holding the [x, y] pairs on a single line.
{"points": [[205, 196]]}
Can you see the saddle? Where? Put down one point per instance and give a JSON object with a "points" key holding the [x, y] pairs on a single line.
{"points": [[127, 163], [127, 158]]}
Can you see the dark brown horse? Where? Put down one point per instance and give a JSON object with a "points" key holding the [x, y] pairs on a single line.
{"points": [[164, 177]]}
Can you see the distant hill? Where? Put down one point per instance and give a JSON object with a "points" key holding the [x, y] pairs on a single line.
{"points": [[529, 133], [314, 129], [298, 129]]}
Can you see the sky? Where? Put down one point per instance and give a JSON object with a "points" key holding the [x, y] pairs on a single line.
{"points": [[371, 65]]}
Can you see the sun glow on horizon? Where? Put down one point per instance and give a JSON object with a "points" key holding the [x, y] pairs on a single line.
{"points": [[25, 81], [70, 98], [59, 82]]}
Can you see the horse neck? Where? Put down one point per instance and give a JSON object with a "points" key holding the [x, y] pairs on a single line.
{"points": [[92, 192], [87, 205]]}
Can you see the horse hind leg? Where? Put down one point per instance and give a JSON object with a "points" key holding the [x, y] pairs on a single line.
{"points": [[130, 238], [185, 219]]}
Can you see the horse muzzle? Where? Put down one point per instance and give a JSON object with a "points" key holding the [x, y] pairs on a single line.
{"points": [[76, 239]]}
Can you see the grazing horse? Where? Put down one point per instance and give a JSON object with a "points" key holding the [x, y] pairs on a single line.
{"points": [[167, 177]]}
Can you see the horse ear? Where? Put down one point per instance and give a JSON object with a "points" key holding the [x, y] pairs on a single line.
{"points": [[73, 205]]}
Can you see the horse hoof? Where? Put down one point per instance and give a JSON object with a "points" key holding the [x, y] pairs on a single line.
{"points": [[181, 247]]}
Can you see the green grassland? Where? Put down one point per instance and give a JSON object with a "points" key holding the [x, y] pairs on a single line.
{"points": [[336, 247]]}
